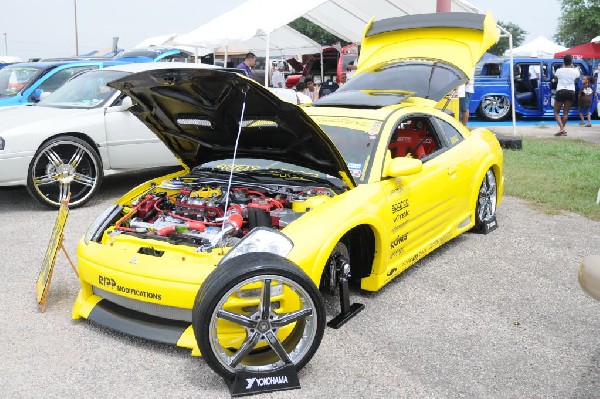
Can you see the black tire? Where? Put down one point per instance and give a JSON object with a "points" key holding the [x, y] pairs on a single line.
{"points": [[329, 278], [61, 165], [485, 208], [257, 325], [494, 108]]}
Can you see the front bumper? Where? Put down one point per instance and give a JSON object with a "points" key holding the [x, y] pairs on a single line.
{"points": [[13, 168], [115, 317], [141, 295]]}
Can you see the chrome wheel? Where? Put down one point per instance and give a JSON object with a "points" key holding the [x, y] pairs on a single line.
{"points": [[494, 107], [61, 166], [486, 202], [257, 312], [263, 326]]}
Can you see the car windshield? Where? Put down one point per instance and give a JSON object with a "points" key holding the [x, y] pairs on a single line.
{"points": [[266, 171], [355, 138], [87, 90], [14, 78], [428, 79]]}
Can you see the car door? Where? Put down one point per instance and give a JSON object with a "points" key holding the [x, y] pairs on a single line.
{"points": [[130, 144], [420, 206]]}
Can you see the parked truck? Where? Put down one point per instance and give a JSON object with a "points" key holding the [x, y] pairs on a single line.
{"points": [[534, 97]]}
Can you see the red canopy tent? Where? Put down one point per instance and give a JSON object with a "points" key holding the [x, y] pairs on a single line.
{"points": [[585, 50]]}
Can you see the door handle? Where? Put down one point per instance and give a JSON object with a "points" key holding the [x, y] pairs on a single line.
{"points": [[452, 169]]}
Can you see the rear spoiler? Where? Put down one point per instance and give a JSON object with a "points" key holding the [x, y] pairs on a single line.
{"points": [[463, 20]]}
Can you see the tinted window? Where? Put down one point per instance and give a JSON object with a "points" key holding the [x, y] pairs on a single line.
{"points": [[452, 135], [87, 90], [431, 80], [59, 78]]}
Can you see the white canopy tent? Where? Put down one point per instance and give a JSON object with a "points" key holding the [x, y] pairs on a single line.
{"points": [[260, 19], [283, 41], [539, 47]]}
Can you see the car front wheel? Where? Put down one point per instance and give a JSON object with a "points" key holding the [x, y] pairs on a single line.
{"points": [[61, 166], [257, 312], [494, 108]]}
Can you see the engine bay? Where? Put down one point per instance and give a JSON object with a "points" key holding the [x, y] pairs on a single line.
{"points": [[203, 213]]}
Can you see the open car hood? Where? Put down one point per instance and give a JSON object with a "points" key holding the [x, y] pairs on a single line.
{"points": [[196, 113], [457, 40]]}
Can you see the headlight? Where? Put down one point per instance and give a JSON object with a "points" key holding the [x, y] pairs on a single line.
{"points": [[94, 232], [2, 142], [261, 239]]}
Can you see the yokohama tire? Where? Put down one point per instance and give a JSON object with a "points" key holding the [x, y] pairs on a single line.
{"points": [[301, 327], [61, 165]]}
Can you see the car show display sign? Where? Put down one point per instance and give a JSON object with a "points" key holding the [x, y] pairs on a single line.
{"points": [[56, 241], [252, 383]]}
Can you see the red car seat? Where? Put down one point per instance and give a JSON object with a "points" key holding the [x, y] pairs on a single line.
{"points": [[412, 140]]}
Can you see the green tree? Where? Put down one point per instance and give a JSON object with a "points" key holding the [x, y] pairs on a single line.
{"points": [[315, 32], [518, 36], [579, 22]]}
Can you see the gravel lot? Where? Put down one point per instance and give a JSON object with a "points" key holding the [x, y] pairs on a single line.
{"points": [[492, 316]]}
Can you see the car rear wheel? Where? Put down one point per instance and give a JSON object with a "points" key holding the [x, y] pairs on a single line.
{"points": [[61, 166], [494, 108], [485, 209], [257, 312]]}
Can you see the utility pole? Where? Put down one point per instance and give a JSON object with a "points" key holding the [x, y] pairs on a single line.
{"points": [[76, 35], [5, 44]]}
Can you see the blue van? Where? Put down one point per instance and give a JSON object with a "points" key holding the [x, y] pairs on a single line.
{"points": [[533, 93]]}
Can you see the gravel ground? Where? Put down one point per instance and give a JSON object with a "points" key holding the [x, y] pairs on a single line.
{"points": [[494, 316]]}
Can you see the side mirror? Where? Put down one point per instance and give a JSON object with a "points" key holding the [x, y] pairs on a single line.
{"points": [[127, 103], [36, 95], [589, 275], [401, 166]]}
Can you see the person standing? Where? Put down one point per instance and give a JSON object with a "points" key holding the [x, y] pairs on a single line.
{"points": [[566, 77], [248, 63], [278, 78], [584, 101], [464, 100], [597, 94]]}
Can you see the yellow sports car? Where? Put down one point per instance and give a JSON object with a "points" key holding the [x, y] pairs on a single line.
{"points": [[278, 201]]}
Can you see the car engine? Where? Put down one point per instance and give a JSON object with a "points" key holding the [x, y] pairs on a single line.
{"points": [[196, 212]]}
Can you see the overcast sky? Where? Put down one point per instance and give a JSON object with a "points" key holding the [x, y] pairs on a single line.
{"points": [[45, 28]]}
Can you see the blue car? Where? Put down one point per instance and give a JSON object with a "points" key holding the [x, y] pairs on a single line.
{"points": [[533, 93], [155, 54], [25, 82]]}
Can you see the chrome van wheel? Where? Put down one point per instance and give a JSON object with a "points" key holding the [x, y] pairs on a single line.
{"points": [[61, 166], [494, 108]]}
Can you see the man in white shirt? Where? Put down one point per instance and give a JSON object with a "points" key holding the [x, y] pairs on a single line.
{"points": [[278, 78]]}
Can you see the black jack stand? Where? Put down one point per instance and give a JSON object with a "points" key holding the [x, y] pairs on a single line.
{"points": [[347, 311]]}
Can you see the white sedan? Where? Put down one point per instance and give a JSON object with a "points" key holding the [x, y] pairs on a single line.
{"points": [[69, 140]]}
